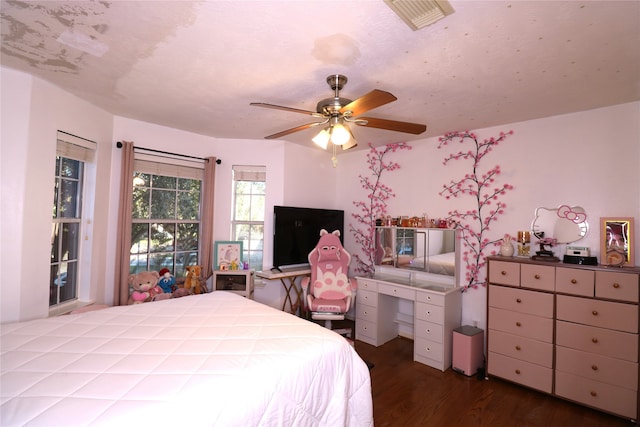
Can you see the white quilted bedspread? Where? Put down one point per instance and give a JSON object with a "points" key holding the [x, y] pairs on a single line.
{"points": [[213, 359]]}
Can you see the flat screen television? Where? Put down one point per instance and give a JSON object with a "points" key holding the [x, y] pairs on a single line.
{"points": [[296, 232]]}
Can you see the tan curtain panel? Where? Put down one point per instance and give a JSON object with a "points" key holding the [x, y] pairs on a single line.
{"points": [[123, 245], [206, 219]]}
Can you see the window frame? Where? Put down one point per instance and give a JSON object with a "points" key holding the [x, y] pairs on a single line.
{"points": [[248, 173]]}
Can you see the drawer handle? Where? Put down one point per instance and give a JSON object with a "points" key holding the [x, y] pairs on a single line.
{"points": [[428, 313], [594, 312], [366, 313], [537, 276], [428, 349], [574, 281], [395, 291], [594, 367], [594, 340], [518, 371], [504, 273], [518, 300], [518, 324], [593, 394], [518, 347], [616, 285]]}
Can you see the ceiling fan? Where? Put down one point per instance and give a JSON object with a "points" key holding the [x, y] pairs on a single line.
{"points": [[337, 112]]}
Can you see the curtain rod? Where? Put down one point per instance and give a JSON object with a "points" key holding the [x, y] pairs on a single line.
{"points": [[119, 145]]}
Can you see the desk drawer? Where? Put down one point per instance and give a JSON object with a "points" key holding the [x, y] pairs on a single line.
{"points": [[397, 291], [428, 331], [603, 314], [619, 286], [365, 312], [525, 325], [621, 345], [366, 284], [598, 368], [525, 373], [504, 273], [574, 281], [538, 352], [520, 300], [366, 331], [429, 349], [610, 398], [430, 313], [364, 297], [430, 298]]}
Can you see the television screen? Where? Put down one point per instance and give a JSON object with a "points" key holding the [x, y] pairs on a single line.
{"points": [[296, 232]]}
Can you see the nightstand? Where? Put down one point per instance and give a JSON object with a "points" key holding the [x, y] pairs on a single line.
{"points": [[237, 281]]}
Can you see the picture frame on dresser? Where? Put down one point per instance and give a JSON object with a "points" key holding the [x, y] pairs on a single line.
{"points": [[616, 241]]}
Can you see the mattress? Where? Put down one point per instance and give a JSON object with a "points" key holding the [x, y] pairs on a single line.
{"points": [[211, 359]]}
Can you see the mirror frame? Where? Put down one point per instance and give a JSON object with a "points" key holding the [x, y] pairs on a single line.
{"points": [[609, 255]]}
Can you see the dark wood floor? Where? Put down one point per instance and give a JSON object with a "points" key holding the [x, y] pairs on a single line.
{"points": [[407, 393]]}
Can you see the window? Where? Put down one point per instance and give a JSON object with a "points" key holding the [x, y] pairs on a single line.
{"points": [[165, 225], [72, 155], [247, 224]]}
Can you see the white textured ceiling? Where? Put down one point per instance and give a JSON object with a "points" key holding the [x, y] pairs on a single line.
{"points": [[196, 65]]}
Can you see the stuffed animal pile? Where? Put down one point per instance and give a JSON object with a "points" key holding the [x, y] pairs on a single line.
{"points": [[153, 286], [145, 287]]}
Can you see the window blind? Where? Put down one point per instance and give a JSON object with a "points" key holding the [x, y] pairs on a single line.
{"points": [[74, 147], [249, 173], [166, 166]]}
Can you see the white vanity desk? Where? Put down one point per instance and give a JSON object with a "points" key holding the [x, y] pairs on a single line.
{"points": [[437, 310]]}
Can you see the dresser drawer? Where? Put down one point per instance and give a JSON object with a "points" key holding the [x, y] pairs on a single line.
{"points": [[430, 298], [521, 300], [538, 277], [397, 291], [366, 284], [538, 352], [428, 331], [429, 349], [603, 314], [621, 345], [525, 325], [598, 368], [619, 286], [504, 273], [430, 313], [525, 373], [365, 312], [599, 395], [574, 281], [364, 297]]}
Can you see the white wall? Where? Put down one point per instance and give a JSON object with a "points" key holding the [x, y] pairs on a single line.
{"points": [[588, 159], [32, 112]]}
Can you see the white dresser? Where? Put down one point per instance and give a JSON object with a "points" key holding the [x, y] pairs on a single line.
{"points": [[437, 306], [567, 330]]}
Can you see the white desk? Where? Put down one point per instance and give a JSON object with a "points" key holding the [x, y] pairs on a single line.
{"points": [[288, 280], [437, 311]]}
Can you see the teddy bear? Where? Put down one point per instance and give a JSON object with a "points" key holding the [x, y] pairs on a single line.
{"points": [[145, 287], [192, 282], [167, 282]]}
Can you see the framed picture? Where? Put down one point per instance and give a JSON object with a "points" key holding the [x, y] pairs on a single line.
{"points": [[227, 254], [616, 241]]}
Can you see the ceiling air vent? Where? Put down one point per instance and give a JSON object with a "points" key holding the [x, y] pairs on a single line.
{"points": [[420, 13]]}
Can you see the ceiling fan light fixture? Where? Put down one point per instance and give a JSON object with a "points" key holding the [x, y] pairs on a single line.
{"points": [[340, 134], [420, 13], [322, 139]]}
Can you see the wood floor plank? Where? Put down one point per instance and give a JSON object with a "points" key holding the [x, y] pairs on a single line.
{"points": [[407, 393]]}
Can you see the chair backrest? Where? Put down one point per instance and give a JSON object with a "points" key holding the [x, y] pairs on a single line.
{"points": [[329, 262]]}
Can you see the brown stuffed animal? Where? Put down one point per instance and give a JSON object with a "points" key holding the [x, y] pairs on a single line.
{"points": [[145, 287], [192, 283]]}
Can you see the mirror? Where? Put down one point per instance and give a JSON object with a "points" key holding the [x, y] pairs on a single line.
{"points": [[616, 235], [566, 224], [425, 249]]}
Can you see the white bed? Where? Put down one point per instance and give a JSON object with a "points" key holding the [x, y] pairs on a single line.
{"points": [[213, 359]]}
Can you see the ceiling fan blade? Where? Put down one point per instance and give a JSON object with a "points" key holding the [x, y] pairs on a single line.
{"points": [[371, 100], [292, 130], [394, 125], [280, 107]]}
